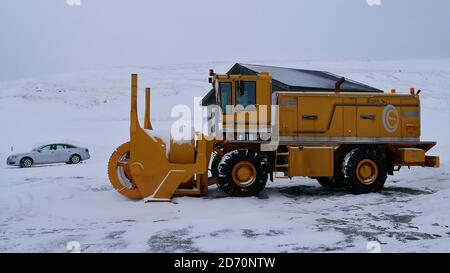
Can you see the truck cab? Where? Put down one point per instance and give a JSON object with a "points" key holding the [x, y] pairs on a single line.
{"points": [[244, 104]]}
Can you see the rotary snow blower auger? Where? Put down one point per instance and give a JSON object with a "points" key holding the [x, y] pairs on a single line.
{"points": [[139, 169]]}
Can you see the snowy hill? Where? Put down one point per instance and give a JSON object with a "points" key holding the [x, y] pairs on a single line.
{"points": [[43, 208]]}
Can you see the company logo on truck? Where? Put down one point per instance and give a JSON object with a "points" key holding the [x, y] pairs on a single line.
{"points": [[390, 118]]}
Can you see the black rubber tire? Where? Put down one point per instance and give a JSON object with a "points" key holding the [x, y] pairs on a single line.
{"points": [[337, 181], [225, 178], [75, 159], [350, 164], [215, 160], [327, 182], [26, 162]]}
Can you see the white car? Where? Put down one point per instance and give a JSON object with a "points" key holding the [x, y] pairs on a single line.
{"points": [[51, 153]]}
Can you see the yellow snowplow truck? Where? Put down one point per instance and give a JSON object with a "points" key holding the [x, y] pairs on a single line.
{"points": [[343, 136]]}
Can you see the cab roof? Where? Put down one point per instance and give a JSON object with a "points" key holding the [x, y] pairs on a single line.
{"points": [[293, 79]]}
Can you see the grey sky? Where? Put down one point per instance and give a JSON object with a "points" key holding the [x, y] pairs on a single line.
{"points": [[49, 36]]}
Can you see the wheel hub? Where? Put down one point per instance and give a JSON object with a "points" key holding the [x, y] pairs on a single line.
{"points": [[27, 163], [367, 171], [244, 173]]}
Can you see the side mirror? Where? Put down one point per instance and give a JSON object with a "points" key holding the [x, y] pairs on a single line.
{"points": [[38, 150]]}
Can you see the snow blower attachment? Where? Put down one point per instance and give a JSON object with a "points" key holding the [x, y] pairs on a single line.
{"points": [[302, 123], [140, 169]]}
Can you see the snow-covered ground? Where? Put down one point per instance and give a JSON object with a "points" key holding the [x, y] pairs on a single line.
{"points": [[43, 208]]}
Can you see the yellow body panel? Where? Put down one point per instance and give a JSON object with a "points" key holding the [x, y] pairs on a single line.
{"points": [[377, 115], [311, 161], [316, 115], [368, 122], [411, 118], [349, 117], [182, 152], [288, 125], [432, 161], [410, 155]]}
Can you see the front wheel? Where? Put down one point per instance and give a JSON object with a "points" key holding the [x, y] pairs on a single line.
{"points": [[26, 162], [242, 173], [364, 171]]}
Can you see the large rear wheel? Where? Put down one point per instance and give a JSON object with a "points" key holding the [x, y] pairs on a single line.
{"points": [[242, 173], [119, 172], [364, 171]]}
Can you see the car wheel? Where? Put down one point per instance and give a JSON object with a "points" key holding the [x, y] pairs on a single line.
{"points": [[75, 159], [26, 162]]}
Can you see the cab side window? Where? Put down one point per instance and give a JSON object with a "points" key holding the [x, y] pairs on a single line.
{"points": [[245, 93], [225, 95]]}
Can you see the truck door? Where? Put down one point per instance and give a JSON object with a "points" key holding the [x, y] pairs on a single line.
{"points": [[246, 108]]}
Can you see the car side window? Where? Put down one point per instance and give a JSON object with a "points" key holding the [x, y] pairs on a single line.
{"points": [[46, 148], [60, 147], [53, 147]]}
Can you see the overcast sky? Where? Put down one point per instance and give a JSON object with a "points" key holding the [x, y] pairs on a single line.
{"points": [[49, 36]]}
